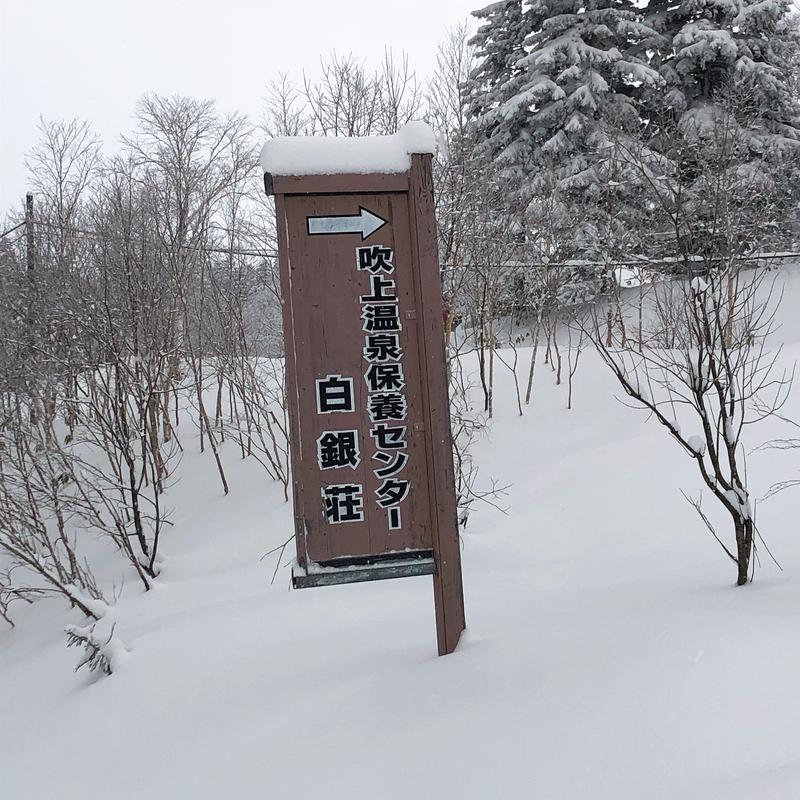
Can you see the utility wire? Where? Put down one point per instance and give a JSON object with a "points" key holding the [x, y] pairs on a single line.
{"points": [[11, 230], [643, 263], [201, 248]]}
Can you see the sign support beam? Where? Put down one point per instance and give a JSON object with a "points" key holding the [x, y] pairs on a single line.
{"points": [[448, 589]]}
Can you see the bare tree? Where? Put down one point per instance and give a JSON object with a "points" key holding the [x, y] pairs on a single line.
{"points": [[705, 371], [190, 157], [347, 99], [285, 113], [718, 376], [64, 164], [153, 292], [576, 342]]}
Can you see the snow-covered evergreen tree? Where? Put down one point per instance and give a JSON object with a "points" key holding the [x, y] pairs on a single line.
{"points": [[707, 46], [582, 105], [498, 47], [727, 99], [551, 119]]}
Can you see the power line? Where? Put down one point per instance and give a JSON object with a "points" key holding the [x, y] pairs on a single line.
{"points": [[643, 263], [16, 239], [202, 248], [11, 230]]}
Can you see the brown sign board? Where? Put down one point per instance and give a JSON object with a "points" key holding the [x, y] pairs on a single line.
{"points": [[370, 439]]}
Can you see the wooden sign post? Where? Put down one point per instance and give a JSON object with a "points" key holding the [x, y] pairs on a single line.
{"points": [[370, 439]]}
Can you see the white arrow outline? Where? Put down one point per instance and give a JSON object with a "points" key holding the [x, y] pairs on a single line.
{"points": [[365, 222]]}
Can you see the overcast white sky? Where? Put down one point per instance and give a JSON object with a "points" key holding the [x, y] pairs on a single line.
{"points": [[92, 59]]}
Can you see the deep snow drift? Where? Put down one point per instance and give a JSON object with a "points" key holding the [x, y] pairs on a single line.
{"points": [[608, 654]]}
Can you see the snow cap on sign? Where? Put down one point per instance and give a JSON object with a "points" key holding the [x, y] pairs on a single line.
{"points": [[336, 155]]}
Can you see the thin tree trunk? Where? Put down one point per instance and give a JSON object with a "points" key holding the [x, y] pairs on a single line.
{"points": [[610, 313], [548, 353], [482, 368], [212, 439], [744, 549], [641, 304], [533, 358], [218, 406], [490, 396], [729, 320], [557, 352], [165, 421], [155, 448]]}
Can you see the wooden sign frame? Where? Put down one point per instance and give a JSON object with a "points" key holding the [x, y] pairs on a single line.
{"points": [[443, 559]]}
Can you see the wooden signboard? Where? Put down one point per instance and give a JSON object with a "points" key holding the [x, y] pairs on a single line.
{"points": [[370, 438]]}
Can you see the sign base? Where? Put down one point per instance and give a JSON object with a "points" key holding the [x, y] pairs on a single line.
{"points": [[396, 565]]}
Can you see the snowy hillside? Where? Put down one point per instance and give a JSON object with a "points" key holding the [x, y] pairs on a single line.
{"points": [[607, 655]]}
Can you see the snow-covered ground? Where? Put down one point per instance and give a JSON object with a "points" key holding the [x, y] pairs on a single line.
{"points": [[608, 654]]}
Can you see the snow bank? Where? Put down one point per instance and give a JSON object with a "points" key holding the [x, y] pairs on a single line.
{"points": [[604, 637], [332, 155]]}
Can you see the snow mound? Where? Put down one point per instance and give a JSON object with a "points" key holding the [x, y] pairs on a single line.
{"points": [[334, 155]]}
